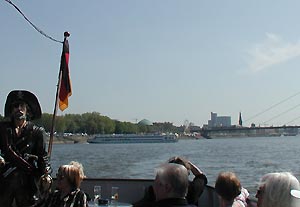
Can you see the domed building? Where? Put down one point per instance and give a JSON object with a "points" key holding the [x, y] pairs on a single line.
{"points": [[145, 122]]}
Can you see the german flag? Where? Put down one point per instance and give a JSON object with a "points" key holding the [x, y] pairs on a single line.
{"points": [[65, 90]]}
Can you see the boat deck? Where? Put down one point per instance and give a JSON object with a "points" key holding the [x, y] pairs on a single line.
{"points": [[132, 190]]}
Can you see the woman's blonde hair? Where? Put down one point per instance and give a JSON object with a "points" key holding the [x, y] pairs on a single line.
{"points": [[73, 172]]}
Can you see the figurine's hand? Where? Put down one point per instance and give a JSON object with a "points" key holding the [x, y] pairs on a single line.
{"points": [[45, 182], [2, 162]]}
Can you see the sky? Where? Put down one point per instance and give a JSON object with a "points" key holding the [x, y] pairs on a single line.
{"points": [[161, 60]]}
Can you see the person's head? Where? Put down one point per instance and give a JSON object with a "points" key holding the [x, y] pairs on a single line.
{"points": [[171, 181], [228, 186], [275, 190], [70, 176], [22, 105], [180, 161]]}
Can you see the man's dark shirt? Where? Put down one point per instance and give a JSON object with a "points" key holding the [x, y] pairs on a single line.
{"points": [[195, 189], [173, 202]]}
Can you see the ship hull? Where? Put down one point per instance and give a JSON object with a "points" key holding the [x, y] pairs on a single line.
{"points": [[132, 138]]}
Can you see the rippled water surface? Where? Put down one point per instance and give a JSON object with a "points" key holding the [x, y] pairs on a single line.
{"points": [[249, 158]]}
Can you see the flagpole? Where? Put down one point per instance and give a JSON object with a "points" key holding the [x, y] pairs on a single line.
{"points": [[66, 34], [54, 116]]}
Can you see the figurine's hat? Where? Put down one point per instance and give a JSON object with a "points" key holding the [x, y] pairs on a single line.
{"points": [[19, 96]]}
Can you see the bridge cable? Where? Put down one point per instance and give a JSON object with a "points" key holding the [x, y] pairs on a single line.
{"points": [[271, 107], [35, 27], [292, 120], [281, 113]]}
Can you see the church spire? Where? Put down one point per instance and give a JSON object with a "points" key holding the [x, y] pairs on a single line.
{"points": [[240, 119]]}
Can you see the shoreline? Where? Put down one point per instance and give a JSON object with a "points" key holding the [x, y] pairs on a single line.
{"points": [[68, 139]]}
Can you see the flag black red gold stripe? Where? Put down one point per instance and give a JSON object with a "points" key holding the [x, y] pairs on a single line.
{"points": [[65, 90]]}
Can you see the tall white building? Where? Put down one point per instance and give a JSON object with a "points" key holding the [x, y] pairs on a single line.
{"points": [[219, 121]]}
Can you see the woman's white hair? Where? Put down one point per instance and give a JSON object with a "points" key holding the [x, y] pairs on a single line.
{"points": [[277, 189]]}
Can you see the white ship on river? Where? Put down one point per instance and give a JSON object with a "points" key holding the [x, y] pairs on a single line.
{"points": [[132, 138]]}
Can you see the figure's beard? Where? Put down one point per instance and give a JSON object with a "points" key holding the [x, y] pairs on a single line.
{"points": [[19, 115]]}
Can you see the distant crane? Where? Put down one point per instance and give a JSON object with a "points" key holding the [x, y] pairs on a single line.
{"points": [[186, 125]]}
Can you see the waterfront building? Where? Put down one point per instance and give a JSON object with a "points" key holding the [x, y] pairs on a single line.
{"points": [[219, 121]]}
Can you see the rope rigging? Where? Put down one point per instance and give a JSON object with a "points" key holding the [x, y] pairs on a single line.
{"points": [[63, 79], [34, 26]]}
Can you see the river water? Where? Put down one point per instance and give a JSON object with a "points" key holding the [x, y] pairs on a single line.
{"points": [[249, 158]]}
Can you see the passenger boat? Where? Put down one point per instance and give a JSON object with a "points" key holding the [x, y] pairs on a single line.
{"points": [[133, 138]]}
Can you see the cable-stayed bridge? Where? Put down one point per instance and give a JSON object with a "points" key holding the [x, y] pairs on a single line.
{"points": [[277, 115], [238, 131], [254, 131]]}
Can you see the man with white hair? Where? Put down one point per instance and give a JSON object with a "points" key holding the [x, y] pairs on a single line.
{"points": [[171, 185]]}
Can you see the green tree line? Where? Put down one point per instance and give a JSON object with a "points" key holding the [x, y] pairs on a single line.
{"points": [[95, 123]]}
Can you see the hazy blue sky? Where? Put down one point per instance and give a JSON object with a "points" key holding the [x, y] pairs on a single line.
{"points": [[163, 60]]}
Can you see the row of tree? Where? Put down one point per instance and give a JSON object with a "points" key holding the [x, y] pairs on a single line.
{"points": [[95, 123]]}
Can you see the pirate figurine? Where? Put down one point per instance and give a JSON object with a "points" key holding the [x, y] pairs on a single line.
{"points": [[25, 165]]}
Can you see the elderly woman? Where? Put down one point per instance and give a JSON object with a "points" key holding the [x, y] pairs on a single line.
{"points": [[275, 190], [68, 193], [230, 191]]}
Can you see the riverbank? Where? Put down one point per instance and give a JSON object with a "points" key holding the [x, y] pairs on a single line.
{"points": [[74, 139]]}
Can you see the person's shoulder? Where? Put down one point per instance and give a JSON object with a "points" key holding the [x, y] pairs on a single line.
{"points": [[36, 127], [238, 204], [80, 197], [82, 194], [5, 123], [5, 126], [37, 130], [200, 178], [191, 205]]}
